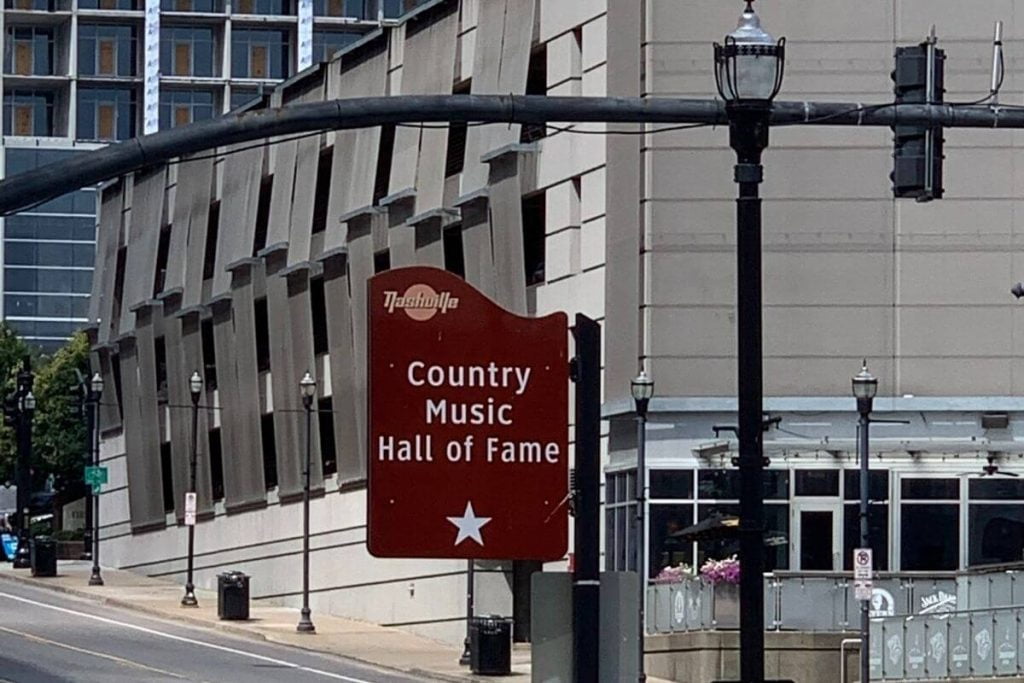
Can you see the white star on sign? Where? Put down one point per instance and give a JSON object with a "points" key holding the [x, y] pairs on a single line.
{"points": [[469, 525]]}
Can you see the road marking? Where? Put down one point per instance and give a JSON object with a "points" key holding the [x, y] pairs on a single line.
{"points": [[190, 641], [82, 650]]}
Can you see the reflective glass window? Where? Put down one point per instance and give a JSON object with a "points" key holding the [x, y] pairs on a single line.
{"points": [[929, 536], [107, 50], [110, 4], [995, 533], [817, 483], [878, 532], [182, 107], [326, 43], [191, 5], [106, 113], [670, 483], [878, 484], [725, 484], [29, 50], [930, 489], [260, 53], [667, 549], [263, 7], [29, 112], [357, 9], [186, 51]]}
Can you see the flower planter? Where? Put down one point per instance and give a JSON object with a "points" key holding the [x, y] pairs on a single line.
{"points": [[726, 606]]}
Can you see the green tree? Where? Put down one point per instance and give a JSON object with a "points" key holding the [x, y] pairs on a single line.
{"points": [[59, 438], [12, 350]]}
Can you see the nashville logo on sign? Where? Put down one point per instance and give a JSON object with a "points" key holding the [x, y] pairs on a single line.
{"points": [[420, 302]]}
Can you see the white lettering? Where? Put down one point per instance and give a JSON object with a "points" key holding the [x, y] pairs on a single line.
{"points": [[413, 366]]}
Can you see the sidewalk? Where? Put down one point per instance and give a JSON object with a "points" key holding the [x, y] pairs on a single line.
{"points": [[388, 648]]}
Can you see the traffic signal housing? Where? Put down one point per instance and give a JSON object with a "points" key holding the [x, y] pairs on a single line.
{"points": [[917, 149]]}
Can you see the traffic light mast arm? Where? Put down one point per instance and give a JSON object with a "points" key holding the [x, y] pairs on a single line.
{"points": [[89, 168]]}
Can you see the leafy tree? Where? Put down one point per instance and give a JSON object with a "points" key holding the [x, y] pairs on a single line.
{"points": [[59, 438], [12, 350]]}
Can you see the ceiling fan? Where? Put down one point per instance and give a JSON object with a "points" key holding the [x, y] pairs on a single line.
{"points": [[991, 469]]}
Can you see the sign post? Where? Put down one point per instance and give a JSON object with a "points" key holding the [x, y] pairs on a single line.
{"points": [[863, 566], [468, 423]]}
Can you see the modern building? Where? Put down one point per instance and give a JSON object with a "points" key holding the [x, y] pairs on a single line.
{"points": [[252, 266], [80, 74]]}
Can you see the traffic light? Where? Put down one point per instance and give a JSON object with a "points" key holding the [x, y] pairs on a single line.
{"points": [[917, 150]]}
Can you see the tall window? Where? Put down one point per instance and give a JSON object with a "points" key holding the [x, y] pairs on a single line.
{"points": [[186, 51], [264, 7], [110, 4], [28, 51], [106, 50], [28, 112], [718, 492], [929, 524], [619, 513], [182, 107], [671, 510], [106, 113], [192, 5], [326, 43], [357, 9], [995, 520], [260, 53]]}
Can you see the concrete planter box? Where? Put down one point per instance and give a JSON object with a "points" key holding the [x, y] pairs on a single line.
{"points": [[726, 609], [70, 550]]}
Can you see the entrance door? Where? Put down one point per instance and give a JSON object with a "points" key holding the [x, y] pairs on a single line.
{"points": [[817, 538]]}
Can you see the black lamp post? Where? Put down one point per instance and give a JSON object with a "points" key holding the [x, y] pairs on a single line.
{"points": [[94, 391], [308, 386], [865, 386], [467, 644], [24, 406], [642, 389], [195, 387], [748, 73]]}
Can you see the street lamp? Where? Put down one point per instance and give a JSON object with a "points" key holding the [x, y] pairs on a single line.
{"points": [[642, 389], [195, 387], [748, 72], [25, 406], [865, 386], [94, 391], [308, 386]]}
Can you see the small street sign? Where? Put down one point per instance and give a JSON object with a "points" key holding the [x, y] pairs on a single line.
{"points": [[863, 564], [468, 423], [190, 508], [862, 590], [95, 477]]}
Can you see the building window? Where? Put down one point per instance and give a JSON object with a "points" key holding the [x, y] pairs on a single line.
{"points": [[209, 354], [619, 513], [396, 8], [455, 155], [51, 254], [673, 512], [929, 524], [191, 5], [263, 214], [186, 51], [106, 113], [242, 96], [326, 43], [718, 493], [216, 465], [262, 336], [878, 516], [382, 261], [263, 7], [995, 521], [182, 107], [32, 5], [167, 476], [323, 189], [29, 112], [536, 84], [385, 150], [269, 449], [356, 9], [454, 255], [110, 4], [210, 248], [328, 453], [47, 280], [319, 314], [817, 483], [46, 305], [534, 234], [260, 53], [28, 51], [105, 50]]}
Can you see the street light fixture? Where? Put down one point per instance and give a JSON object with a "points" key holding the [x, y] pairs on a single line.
{"points": [[865, 386], [642, 389], [748, 72], [195, 386], [93, 398], [308, 387]]}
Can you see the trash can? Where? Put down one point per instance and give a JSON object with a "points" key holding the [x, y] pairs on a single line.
{"points": [[43, 556], [233, 595], [490, 642]]}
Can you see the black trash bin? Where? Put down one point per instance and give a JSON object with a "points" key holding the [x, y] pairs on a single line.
{"points": [[43, 556], [233, 595], [490, 642]]}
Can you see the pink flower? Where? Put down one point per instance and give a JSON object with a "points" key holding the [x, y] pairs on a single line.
{"points": [[721, 571]]}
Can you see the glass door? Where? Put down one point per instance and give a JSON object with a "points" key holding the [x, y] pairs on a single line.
{"points": [[817, 539]]}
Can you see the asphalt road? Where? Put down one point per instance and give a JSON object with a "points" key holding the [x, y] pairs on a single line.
{"points": [[50, 637]]}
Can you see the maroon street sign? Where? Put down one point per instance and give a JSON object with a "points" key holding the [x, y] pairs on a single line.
{"points": [[468, 417]]}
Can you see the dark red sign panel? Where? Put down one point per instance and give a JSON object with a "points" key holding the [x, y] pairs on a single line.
{"points": [[468, 423]]}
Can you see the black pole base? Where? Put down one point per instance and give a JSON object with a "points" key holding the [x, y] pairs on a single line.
{"points": [[190, 597], [467, 653], [95, 579], [305, 623]]}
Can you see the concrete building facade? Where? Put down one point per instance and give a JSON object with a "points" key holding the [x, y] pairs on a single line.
{"points": [[250, 265]]}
